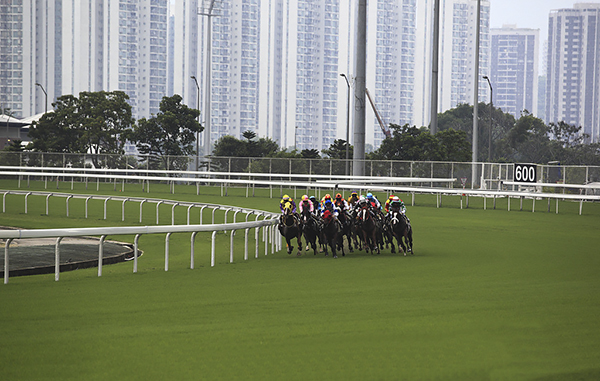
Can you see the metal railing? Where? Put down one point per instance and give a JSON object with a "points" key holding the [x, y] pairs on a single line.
{"points": [[269, 231], [486, 173]]}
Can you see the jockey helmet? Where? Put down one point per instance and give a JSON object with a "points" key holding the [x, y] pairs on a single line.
{"points": [[286, 197], [312, 198], [354, 193], [339, 195], [327, 196], [396, 198], [328, 202], [391, 197], [304, 198], [369, 195]]}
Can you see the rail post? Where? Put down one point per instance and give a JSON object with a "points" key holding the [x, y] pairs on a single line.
{"points": [[57, 259], [27, 195], [141, 204], [67, 201], [123, 209], [100, 254], [246, 244], [47, 197], [157, 205], [167, 238], [86, 205], [231, 246], [135, 252], [212, 248], [192, 250], [188, 213], [6, 270], [105, 201], [173, 213]]}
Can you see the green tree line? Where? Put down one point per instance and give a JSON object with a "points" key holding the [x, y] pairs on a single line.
{"points": [[101, 122]]}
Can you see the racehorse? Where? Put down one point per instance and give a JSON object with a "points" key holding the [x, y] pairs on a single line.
{"points": [[330, 234], [401, 229], [368, 229], [346, 224], [310, 228], [290, 229]]}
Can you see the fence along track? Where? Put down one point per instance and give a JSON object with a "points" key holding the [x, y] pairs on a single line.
{"points": [[268, 223]]}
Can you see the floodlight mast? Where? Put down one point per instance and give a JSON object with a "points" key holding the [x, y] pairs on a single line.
{"points": [[208, 12]]}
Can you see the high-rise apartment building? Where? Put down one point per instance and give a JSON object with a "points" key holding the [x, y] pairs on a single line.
{"points": [[392, 71], [573, 70], [514, 69], [457, 52], [73, 46]]}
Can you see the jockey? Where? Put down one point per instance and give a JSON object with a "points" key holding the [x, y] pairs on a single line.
{"points": [[331, 208], [287, 200], [325, 198], [397, 205], [387, 203], [316, 205], [353, 199], [341, 203], [306, 204], [373, 201]]}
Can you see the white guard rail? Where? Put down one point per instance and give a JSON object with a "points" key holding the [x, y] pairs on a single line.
{"points": [[318, 182], [269, 231]]}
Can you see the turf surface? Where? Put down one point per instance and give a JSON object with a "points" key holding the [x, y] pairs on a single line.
{"points": [[490, 294]]}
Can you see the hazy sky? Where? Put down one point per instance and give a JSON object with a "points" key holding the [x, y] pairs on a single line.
{"points": [[528, 13]]}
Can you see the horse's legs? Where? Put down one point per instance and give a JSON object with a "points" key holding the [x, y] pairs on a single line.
{"points": [[288, 245], [299, 238]]}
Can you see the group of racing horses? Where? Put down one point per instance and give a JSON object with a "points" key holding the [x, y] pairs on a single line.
{"points": [[363, 225]]}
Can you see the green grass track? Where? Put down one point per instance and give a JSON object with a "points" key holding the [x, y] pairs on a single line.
{"points": [[489, 295]]}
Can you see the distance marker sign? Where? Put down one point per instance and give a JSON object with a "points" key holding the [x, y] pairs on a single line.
{"points": [[525, 173]]}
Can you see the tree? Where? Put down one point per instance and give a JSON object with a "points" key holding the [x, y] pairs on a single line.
{"points": [[460, 118], [454, 145], [251, 147], [337, 150], [96, 123], [412, 143], [310, 153], [104, 117], [57, 131], [172, 132]]}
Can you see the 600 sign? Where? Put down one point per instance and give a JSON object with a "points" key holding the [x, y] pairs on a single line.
{"points": [[525, 173]]}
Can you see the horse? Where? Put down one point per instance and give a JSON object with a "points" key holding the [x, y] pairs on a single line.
{"points": [[330, 234], [368, 229], [291, 228], [346, 224], [401, 228], [310, 229]]}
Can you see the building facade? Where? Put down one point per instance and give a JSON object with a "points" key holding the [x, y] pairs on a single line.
{"points": [[72, 46], [514, 69], [573, 69]]}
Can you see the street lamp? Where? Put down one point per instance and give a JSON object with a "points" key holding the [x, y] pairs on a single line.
{"points": [[295, 137], [197, 132], [491, 111], [45, 94], [347, 126]]}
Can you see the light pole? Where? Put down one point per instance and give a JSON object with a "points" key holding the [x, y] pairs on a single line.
{"points": [[45, 94], [295, 136], [347, 126], [197, 132], [491, 111], [208, 12]]}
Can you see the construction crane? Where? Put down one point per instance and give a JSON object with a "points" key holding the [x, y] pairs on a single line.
{"points": [[384, 129]]}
